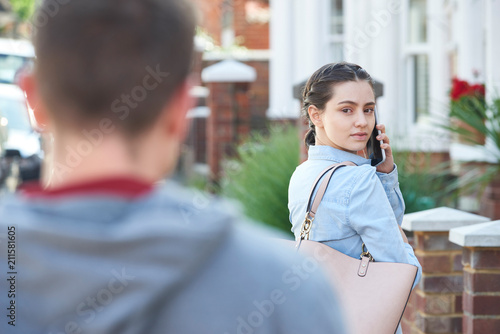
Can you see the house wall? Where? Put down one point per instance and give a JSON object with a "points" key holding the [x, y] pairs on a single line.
{"points": [[460, 42], [251, 23]]}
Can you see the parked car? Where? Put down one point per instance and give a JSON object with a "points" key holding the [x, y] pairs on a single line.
{"points": [[14, 55], [21, 146]]}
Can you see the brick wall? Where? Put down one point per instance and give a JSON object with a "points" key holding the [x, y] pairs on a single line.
{"points": [[210, 17], [228, 123], [251, 28], [490, 200], [255, 101], [197, 139], [251, 33], [258, 93], [481, 296], [197, 67], [435, 305]]}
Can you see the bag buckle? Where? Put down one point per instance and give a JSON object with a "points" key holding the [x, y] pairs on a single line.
{"points": [[365, 253], [306, 227]]}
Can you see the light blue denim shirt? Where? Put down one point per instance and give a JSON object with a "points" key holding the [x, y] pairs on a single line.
{"points": [[359, 205]]}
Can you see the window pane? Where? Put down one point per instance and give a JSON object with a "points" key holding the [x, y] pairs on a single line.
{"points": [[336, 52], [421, 85], [337, 17], [418, 21]]}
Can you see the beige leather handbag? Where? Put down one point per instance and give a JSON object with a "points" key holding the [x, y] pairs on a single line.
{"points": [[373, 294]]}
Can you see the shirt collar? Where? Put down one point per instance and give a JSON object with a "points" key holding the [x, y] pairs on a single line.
{"points": [[324, 152], [126, 187]]}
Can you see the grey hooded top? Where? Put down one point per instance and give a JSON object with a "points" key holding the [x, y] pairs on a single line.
{"points": [[171, 261]]}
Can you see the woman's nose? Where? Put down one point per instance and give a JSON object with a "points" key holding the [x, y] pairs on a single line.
{"points": [[361, 120]]}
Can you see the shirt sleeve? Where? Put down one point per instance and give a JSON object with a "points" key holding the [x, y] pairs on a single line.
{"points": [[371, 215], [391, 187]]}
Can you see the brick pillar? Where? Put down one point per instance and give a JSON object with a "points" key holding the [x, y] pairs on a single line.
{"points": [[229, 104], [490, 201], [481, 261], [435, 305]]}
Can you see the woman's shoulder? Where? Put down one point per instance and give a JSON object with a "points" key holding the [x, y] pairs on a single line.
{"points": [[362, 172], [343, 181], [352, 177], [312, 168]]}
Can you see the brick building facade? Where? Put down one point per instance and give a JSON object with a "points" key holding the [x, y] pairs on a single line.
{"points": [[247, 21], [251, 23]]}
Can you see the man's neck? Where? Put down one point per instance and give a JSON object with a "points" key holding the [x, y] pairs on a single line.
{"points": [[76, 160]]}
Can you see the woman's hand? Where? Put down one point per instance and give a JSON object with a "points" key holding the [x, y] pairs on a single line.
{"points": [[388, 165]]}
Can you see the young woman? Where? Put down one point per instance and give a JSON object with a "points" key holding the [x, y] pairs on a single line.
{"points": [[362, 204]]}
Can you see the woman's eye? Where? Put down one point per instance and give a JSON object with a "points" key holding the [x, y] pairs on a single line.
{"points": [[369, 110], [346, 110]]}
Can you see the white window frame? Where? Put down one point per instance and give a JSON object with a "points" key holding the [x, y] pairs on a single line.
{"points": [[420, 134], [409, 51], [332, 39]]}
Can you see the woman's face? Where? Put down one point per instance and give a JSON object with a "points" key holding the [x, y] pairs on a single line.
{"points": [[348, 119]]}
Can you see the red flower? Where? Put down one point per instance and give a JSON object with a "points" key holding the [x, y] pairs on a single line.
{"points": [[478, 90], [461, 88]]}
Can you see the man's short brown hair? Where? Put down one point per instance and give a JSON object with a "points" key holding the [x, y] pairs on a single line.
{"points": [[118, 59]]}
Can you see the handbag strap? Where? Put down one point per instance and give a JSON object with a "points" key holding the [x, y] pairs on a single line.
{"points": [[314, 201], [313, 204]]}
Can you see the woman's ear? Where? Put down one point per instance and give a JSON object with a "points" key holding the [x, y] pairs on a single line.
{"points": [[315, 116]]}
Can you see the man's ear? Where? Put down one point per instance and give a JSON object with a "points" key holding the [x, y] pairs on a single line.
{"points": [[176, 110], [38, 113], [315, 116]]}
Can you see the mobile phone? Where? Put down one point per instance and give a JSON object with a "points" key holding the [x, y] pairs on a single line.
{"points": [[373, 149]]}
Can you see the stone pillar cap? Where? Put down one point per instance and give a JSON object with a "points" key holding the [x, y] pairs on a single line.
{"points": [[479, 235], [440, 219], [199, 44], [229, 71], [199, 91]]}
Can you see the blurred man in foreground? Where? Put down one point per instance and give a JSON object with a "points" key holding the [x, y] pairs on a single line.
{"points": [[103, 250]]}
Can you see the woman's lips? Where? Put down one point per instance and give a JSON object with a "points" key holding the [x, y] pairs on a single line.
{"points": [[360, 136]]}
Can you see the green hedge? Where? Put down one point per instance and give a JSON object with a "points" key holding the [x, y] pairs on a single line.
{"points": [[423, 185], [259, 178]]}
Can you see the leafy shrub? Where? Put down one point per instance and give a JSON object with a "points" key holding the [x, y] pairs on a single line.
{"points": [[423, 185], [260, 176], [486, 122]]}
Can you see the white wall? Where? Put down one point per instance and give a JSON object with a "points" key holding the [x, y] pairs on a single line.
{"points": [[281, 104], [468, 33], [372, 42], [492, 56], [297, 50], [492, 48]]}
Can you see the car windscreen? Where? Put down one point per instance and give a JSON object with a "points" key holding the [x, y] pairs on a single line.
{"points": [[16, 113], [9, 65]]}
